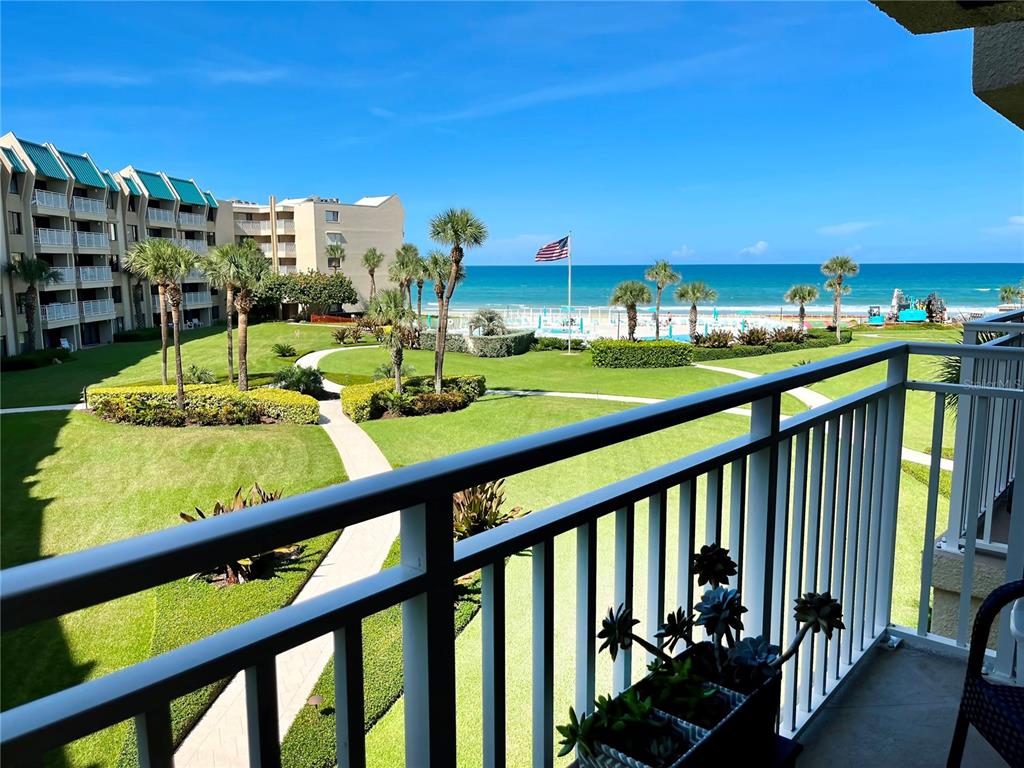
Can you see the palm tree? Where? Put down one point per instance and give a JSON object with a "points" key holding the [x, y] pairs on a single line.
{"points": [[800, 295], [694, 293], [489, 322], [183, 261], [372, 259], [220, 267], [335, 251], [628, 294], [836, 269], [388, 309], [662, 275], [459, 229], [403, 269], [421, 277], [156, 260], [252, 271], [32, 272], [1011, 294]]}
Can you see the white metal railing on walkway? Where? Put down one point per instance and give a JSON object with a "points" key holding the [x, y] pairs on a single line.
{"points": [[806, 503], [59, 311], [85, 239], [191, 219], [95, 274], [94, 307], [47, 199], [45, 236], [160, 215], [88, 205]]}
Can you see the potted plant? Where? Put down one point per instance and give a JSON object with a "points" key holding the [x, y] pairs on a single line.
{"points": [[715, 702]]}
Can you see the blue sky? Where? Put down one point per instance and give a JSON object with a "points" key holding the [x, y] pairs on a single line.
{"points": [[768, 132]]}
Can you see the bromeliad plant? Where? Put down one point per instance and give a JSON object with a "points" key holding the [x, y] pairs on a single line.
{"points": [[247, 568], [682, 686]]}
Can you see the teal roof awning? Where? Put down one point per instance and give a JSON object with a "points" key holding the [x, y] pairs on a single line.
{"points": [[108, 177], [156, 186], [83, 169], [211, 199], [19, 167], [132, 186], [44, 161], [188, 191]]}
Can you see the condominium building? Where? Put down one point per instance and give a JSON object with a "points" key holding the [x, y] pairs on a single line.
{"points": [[296, 234], [60, 207]]}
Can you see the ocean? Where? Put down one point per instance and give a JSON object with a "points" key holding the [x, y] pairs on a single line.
{"points": [[757, 287]]}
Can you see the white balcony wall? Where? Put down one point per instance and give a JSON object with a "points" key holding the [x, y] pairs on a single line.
{"points": [[95, 307], [88, 205], [46, 236], [94, 274], [46, 199], [92, 239]]}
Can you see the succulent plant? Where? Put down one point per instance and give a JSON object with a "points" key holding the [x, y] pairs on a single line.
{"points": [[719, 612], [676, 686], [678, 626], [577, 733], [712, 565], [754, 659], [617, 630], [821, 611]]}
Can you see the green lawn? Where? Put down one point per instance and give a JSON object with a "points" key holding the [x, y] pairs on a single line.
{"points": [[550, 371], [75, 482], [138, 362]]}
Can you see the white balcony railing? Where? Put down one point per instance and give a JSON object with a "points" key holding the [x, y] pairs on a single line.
{"points": [[283, 249], [160, 215], [95, 274], [288, 269], [813, 504], [196, 246], [89, 205], [55, 312], [195, 298], [191, 219], [95, 307], [91, 239], [195, 276], [46, 199], [64, 276], [52, 237], [253, 227]]}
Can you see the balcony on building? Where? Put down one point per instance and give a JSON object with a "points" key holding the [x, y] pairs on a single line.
{"points": [[84, 206], [64, 278], [252, 227], [92, 240], [196, 245], [52, 238], [814, 501], [95, 276], [190, 220], [159, 216], [49, 201], [97, 309], [58, 313]]}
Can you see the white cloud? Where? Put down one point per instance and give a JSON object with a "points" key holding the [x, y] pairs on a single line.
{"points": [[846, 228], [1014, 226], [381, 112], [756, 249], [683, 252]]}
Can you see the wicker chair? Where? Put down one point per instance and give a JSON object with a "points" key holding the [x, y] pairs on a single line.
{"points": [[996, 711]]}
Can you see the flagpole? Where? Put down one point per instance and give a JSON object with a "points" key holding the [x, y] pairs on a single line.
{"points": [[569, 243]]}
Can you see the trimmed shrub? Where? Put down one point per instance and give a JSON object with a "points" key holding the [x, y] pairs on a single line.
{"points": [[716, 338], [551, 343], [619, 353], [453, 342], [364, 402], [754, 337], [38, 359], [786, 333], [308, 381], [505, 345], [814, 339], [431, 402], [204, 404], [283, 350]]}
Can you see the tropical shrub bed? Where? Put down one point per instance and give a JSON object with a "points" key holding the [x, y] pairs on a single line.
{"points": [[205, 404], [503, 345], [777, 342], [138, 334], [551, 343], [38, 359], [619, 353], [365, 402]]}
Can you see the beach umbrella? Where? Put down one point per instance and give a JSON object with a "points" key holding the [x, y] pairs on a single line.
{"points": [[714, 314]]}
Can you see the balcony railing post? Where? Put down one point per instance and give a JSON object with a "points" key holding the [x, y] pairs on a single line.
{"points": [[543, 582], [961, 447], [896, 403], [492, 610], [586, 615], [657, 510], [428, 636], [349, 729], [261, 713], [153, 736], [760, 522]]}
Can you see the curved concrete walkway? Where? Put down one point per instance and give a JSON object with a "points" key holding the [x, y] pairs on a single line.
{"points": [[220, 738]]}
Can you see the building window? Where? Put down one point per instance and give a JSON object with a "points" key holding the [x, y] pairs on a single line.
{"points": [[133, 232], [132, 205], [112, 231], [15, 223], [116, 293], [14, 184], [335, 238], [19, 301], [331, 216], [112, 200], [333, 262]]}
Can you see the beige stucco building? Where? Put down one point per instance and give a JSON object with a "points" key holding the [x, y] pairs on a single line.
{"points": [[60, 207]]}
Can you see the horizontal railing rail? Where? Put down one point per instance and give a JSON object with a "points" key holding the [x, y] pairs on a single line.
{"points": [[805, 503]]}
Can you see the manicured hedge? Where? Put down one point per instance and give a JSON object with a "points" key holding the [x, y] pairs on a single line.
{"points": [[617, 353], [815, 339], [558, 344], [41, 358], [505, 345], [363, 402], [204, 404]]}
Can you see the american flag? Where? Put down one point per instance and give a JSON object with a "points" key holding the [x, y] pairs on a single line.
{"points": [[554, 251]]}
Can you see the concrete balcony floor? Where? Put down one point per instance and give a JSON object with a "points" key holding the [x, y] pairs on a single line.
{"points": [[897, 708]]}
